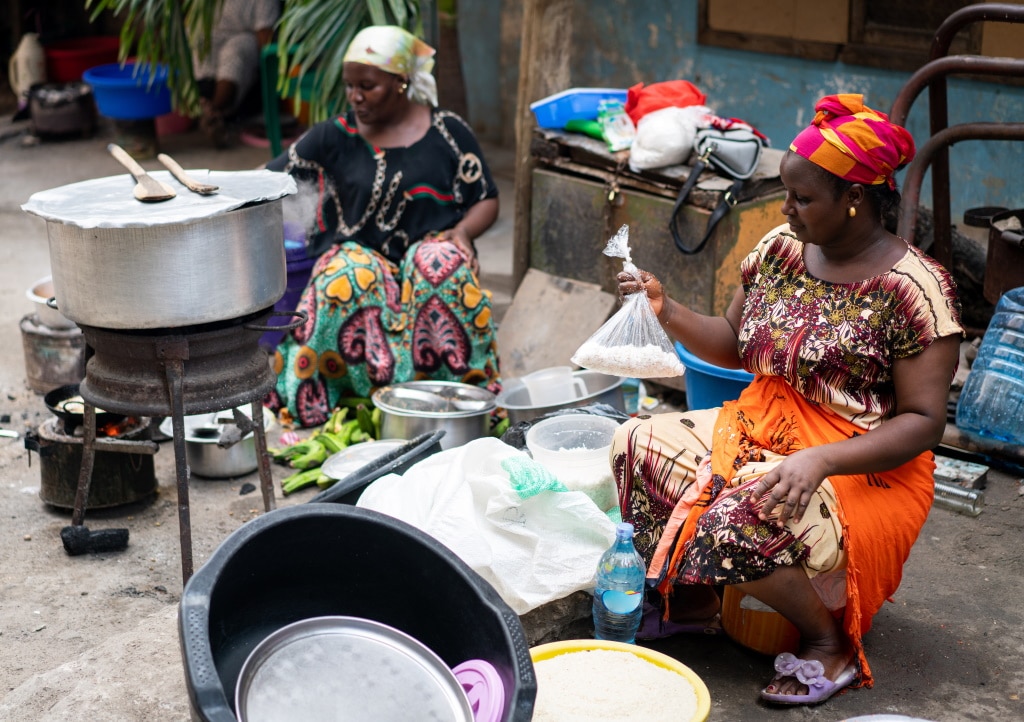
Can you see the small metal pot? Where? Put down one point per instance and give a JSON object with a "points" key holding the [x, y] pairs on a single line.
{"points": [[205, 457], [40, 293], [419, 407]]}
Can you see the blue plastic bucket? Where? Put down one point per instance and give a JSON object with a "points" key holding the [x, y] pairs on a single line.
{"points": [[121, 95], [300, 267], [708, 386]]}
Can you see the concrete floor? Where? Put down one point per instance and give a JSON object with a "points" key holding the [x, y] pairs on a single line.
{"points": [[949, 648]]}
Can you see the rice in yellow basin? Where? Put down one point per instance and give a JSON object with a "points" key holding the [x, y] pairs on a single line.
{"points": [[594, 680]]}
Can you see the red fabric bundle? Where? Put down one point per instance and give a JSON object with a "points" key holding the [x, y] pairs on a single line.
{"points": [[641, 100]]}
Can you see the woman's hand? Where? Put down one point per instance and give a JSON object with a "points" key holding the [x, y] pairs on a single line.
{"points": [[460, 238], [790, 485], [648, 282]]}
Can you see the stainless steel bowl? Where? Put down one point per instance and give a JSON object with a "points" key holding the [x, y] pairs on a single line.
{"points": [[420, 407], [601, 388], [205, 457]]}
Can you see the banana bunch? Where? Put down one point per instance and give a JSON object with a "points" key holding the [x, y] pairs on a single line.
{"points": [[337, 433]]}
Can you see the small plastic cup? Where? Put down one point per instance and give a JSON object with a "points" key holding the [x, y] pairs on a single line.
{"points": [[554, 385]]}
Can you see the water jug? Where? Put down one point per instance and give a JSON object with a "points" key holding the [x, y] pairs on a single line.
{"points": [[991, 404], [27, 67]]}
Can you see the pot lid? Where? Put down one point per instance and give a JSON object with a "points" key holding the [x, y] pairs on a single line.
{"points": [[447, 398], [109, 202]]}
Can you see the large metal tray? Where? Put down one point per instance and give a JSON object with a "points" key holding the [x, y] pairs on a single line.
{"points": [[338, 668]]}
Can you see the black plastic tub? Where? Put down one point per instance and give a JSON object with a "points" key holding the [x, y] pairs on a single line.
{"points": [[315, 560]]}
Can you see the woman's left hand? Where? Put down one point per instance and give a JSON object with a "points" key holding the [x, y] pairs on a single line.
{"points": [[790, 486], [464, 243]]}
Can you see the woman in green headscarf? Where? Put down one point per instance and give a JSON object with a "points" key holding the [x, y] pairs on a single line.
{"points": [[399, 191]]}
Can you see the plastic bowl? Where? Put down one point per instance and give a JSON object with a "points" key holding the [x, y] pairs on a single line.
{"points": [[553, 649], [570, 436], [575, 447], [67, 60], [556, 110], [121, 95], [709, 386]]}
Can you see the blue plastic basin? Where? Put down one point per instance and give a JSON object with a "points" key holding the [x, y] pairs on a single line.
{"points": [[709, 386], [556, 110], [121, 95]]}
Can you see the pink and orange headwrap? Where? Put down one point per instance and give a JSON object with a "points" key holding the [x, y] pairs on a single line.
{"points": [[854, 142]]}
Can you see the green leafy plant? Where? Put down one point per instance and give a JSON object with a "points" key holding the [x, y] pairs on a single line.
{"points": [[315, 32]]}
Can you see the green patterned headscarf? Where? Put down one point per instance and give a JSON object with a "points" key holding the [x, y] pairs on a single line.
{"points": [[397, 51]]}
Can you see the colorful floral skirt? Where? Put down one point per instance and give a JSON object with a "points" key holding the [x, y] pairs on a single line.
{"points": [[371, 323], [660, 459]]}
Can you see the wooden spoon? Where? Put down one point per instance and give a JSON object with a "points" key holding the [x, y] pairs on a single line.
{"points": [[147, 188], [188, 181]]}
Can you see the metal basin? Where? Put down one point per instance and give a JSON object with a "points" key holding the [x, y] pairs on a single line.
{"points": [[601, 389]]}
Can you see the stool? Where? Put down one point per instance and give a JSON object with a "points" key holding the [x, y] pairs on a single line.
{"points": [[757, 626]]}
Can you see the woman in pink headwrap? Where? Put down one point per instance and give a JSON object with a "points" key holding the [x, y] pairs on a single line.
{"points": [[807, 492], [399, 191]]}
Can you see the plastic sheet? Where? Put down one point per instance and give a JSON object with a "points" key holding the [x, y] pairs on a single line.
{"points": [[109, 202]]}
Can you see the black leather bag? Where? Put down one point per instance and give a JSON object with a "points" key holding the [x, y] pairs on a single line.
{"points": [[733, 152]]}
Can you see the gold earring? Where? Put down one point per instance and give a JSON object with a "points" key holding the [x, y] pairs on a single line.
{"points": [[852, 212]]}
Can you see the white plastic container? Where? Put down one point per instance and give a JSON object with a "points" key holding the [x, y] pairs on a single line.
{"points": [[554, 385], [575, 448]]}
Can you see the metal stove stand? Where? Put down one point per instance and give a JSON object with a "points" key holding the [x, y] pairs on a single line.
{"points": [[200, 369]]}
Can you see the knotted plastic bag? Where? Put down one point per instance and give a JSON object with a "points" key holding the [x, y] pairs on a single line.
{"points": [[631, 343]]}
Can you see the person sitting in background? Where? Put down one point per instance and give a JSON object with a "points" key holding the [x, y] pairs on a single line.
{"points": [[402, 190], [229, 70], [807, 492]]}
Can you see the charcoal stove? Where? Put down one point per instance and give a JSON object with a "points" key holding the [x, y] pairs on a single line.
{"points": [[177, 372], [125, 477], [172, 299]]}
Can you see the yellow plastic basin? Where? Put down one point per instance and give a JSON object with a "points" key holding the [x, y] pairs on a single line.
{"points": [[553, 649]]}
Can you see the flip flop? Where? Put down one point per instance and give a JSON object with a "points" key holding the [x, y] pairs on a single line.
{"points": [[812, 673], [652, 626]]}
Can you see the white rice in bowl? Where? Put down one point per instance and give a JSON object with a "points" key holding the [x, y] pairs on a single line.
{"points": [[599, 684]]}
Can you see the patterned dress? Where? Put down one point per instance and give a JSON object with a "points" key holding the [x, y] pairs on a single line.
{"points": [[833, 346], [387, 302]]}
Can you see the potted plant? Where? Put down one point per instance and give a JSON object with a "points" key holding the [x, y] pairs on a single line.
{"points": [[315, 32]]}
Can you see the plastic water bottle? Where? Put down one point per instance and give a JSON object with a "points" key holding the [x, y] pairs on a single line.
{"points": [[619, 593], [991, 403]]}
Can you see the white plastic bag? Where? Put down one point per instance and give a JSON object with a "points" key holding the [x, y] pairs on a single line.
{"points": [[503, 514], [665, 137], [631, 343]]}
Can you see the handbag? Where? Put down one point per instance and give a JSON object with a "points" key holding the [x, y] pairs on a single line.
{"points": [[733, 149]]}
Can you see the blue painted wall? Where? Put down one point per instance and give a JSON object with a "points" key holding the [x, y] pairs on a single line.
{"points": [[616, 43]]}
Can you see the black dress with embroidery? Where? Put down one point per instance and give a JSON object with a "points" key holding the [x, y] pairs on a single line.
{"points": [[386, 199]]}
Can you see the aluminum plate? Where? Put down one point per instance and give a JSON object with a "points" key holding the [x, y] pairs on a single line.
{"points": [[341, 669]]}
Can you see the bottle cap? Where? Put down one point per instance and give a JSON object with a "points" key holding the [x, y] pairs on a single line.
{"points": [[624, 527]]}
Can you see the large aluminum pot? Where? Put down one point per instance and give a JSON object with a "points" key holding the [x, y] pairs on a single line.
{"points": [[419, 407], [121, 264]]}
